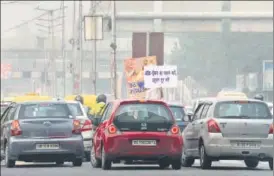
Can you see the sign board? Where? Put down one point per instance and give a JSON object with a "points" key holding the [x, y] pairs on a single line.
{"points": [[160, 76], [268, 75], [93, 26], [134, 72]]}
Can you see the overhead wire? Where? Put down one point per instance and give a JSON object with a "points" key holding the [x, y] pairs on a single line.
{"points": [[24, 23]]}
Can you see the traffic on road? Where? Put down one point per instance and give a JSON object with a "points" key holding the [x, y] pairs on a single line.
{"points": [[225, 133]]}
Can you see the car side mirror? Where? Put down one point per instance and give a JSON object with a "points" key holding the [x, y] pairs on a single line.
{"points": [[190, 116], [96, 120]]}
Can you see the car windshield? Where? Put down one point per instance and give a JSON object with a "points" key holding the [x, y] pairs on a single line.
{"points": [[75, 108], [242, 109], [143, 116], [44, 110], [178, 112]]}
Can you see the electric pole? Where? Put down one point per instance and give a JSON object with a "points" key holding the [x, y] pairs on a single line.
{"points": [[50, 29], [63, 48], [94, 48], [80, 38], [113, 45]]}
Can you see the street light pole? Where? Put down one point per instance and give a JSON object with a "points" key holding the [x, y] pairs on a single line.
{"points": [[113, 45]]}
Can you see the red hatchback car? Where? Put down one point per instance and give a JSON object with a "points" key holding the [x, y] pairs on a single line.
{"points": [[136, 130]]}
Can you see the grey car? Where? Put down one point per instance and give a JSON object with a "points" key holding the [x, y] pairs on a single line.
{"points": [[41, 132], [229, 129], [179, 114]]}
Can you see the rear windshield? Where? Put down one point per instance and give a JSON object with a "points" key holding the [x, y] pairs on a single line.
{"points": [[143, 117], [242, 109], [44, 110], [178, 112], [75, 109]]}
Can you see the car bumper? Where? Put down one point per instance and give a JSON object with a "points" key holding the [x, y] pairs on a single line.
{"points": [[220, 147], [25, 149]]}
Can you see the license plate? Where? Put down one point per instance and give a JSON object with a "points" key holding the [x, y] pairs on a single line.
{"points": [[144, 143], [47, 146], [246, 145]]}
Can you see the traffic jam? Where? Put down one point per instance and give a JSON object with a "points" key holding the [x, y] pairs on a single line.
{"points": [[88, 128]]}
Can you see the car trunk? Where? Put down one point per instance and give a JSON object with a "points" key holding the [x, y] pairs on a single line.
{"points": [[143, 126], [46, 128], [244, 128]]}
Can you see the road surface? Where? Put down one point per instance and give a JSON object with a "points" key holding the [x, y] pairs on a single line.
{"points": [[222, 168]]}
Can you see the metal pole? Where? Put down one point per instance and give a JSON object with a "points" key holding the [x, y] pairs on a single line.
{"points": [[80, 45], [63, 48], [73, 48], [114, 47], [94, 49], [53, 55]]}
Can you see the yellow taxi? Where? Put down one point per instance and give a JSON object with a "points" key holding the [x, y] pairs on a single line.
{"points": [[31, 97]]}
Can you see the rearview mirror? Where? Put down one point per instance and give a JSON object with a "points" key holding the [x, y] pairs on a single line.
{"points": [[96, 120], [189, 115]]}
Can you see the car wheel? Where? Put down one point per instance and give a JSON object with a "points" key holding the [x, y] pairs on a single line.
{"points": [[59, 162], [186, 161], [205, 161], [164, 163], [106, 164], [77, 162], [9, 163], [251, 163], [270, 164], [95, 163], [176, 164]]}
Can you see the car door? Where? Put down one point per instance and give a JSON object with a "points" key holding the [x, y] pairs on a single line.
{"points": [[190, 132], [199, 127], [99, 133]]}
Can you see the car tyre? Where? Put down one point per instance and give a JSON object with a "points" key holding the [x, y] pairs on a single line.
{"points": [[205, 161], [251, 163], [95, 162], [59, 162], [77, 162], [106, 164], [9, 163], [270, 162], [164, 163], [187, 161], [176, 164]]}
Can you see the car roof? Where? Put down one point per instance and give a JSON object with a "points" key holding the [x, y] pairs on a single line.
{"points": [[222, 99], [42, 101], [137, 100], [175, 104], [71, 101]]}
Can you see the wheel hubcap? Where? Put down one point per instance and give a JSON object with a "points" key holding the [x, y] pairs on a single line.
{"points": [[202, 152]]}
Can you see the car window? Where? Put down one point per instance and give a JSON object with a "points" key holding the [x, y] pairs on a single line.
{"points": [[198, 112], [242, 109], [143, 116], [4, 117], [107, 112], [178, 112], [205, 110], [75, 109], [42, 110], [11, 114]]}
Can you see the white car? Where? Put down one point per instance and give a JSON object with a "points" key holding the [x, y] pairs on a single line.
{"points": [[270, 105], [81, 114]]}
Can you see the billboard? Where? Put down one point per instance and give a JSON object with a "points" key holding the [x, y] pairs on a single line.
{"points": [[268, 75]]}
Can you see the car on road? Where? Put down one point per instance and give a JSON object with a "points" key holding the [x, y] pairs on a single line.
{"points": [[143, 130], [179, 113], [41, 131], [80, 114], [229, 129]]}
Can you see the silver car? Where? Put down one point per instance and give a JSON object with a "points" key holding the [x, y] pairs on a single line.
{"points": [[81, 114], [41, 132], [229, 129]]}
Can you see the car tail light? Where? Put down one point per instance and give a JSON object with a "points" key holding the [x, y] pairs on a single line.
{"points": [[15, 128], [175, 130], [271, 129], [76, 127], [112, 129], [213, 127], [87, 125]]}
